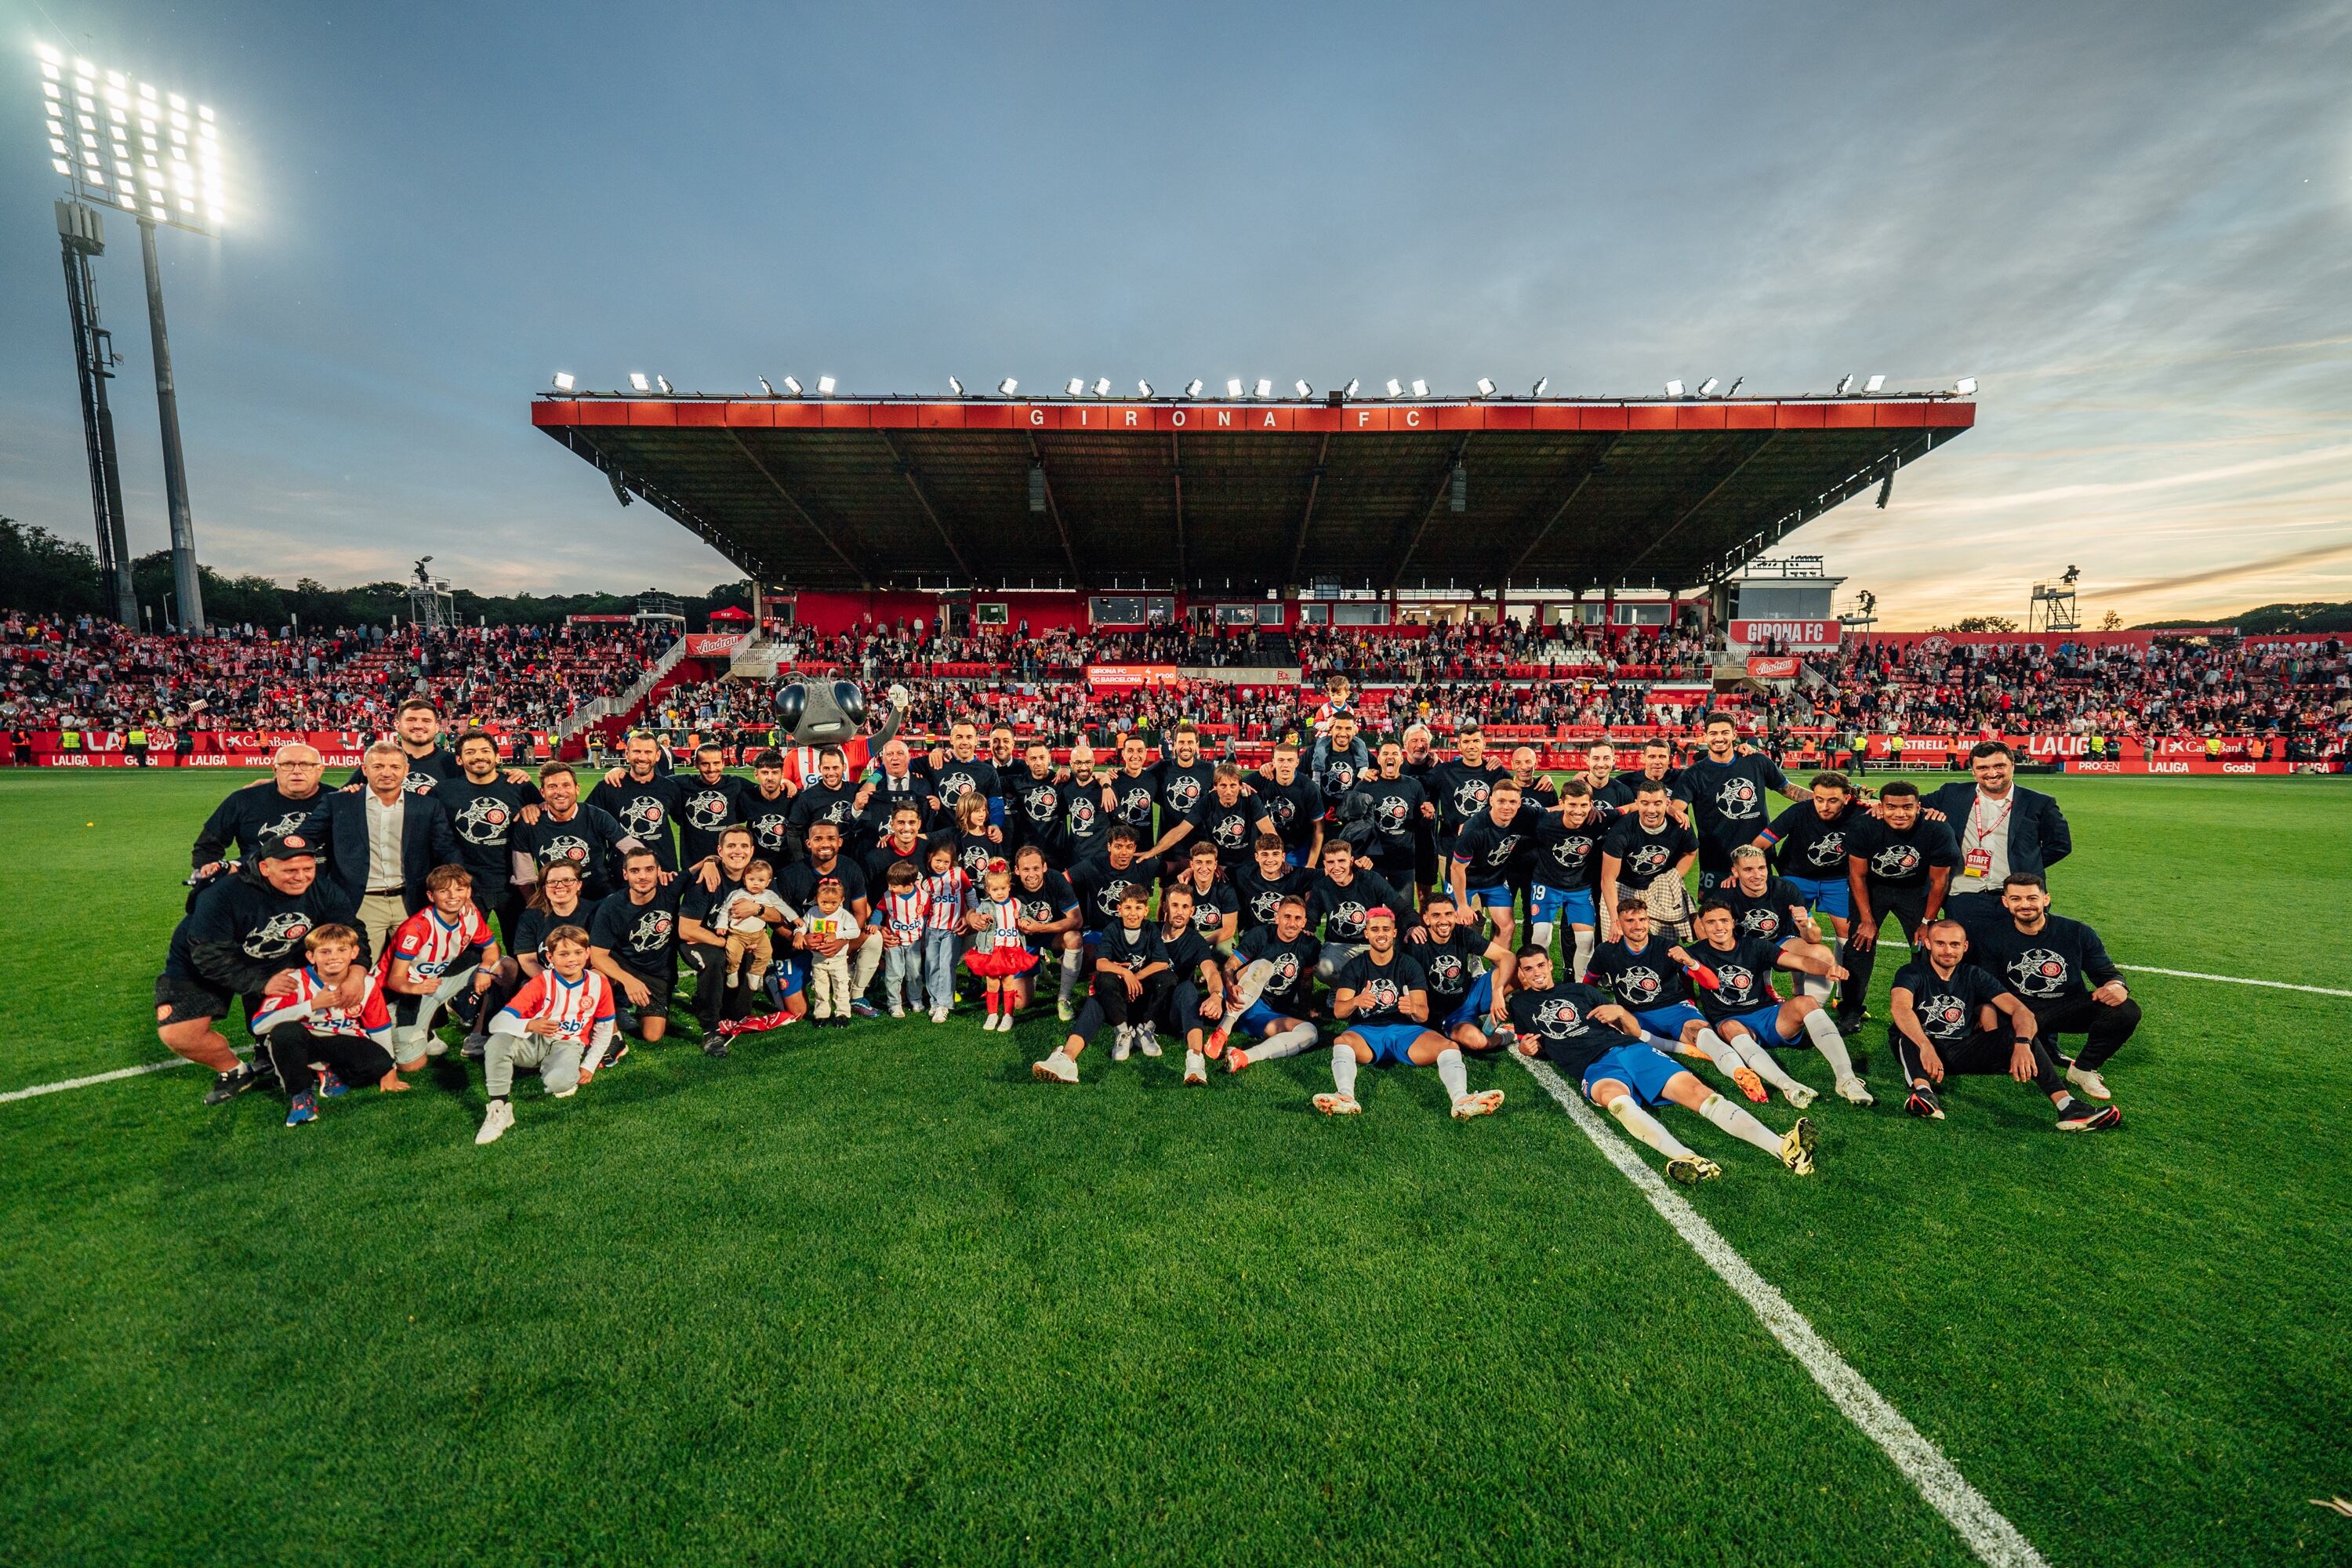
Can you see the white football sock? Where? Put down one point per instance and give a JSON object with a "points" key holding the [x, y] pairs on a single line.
{"points": [[1452, 1074], [1734, 1120], [1285, 1043], [1816, 986], [1069, 973], [1343, 1069], [1540, 934], [1830, 1042], [1647, 1128], [1761, 1062], [1584, 945], [1715, 1048]]}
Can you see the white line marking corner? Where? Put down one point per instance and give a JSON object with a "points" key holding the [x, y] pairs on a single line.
{"points": [[41, 1088]]}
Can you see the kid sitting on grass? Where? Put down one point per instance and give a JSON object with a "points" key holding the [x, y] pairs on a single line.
{"points": [[559, 1023], [1130, 976], [1000, 954], [431, 958], [315, 1021]]}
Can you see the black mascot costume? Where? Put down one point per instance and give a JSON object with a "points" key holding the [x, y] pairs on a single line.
{"points": [[831, 714]]}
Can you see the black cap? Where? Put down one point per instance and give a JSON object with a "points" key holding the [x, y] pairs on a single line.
{"points": [[287, 846]]}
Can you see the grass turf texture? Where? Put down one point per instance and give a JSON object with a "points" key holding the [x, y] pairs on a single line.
{"points": [[873, 1294]]}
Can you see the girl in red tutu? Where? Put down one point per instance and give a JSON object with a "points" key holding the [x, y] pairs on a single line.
{"points": [[1000, 954]]}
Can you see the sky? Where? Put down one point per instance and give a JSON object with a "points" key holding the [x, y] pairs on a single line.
{"points": [[2130, 222]]}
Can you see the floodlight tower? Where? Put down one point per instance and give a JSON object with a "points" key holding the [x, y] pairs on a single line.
{"points": [[157, 157], [81, 234]]}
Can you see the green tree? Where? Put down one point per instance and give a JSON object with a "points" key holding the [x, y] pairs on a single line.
{"points": [[46, 574]]}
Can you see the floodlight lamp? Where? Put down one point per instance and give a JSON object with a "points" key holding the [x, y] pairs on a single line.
{"points": [[955, 386], [1537, 390], [1733, 390], [1007, 387], [1143, 389], [1873, 383], [1301, 388], [663, 382], [1845, 385], [1486, 386], [1966, 387], [1352, 385], [1706, 388], [766, 387], [1673, 389], [563, 381], [1234, 386], [1192, 387], [47, 54], [1265, 387], [637, 381], [1420, 388], [1102, 386], [824, 385], [791, 386], [1075, 385], [1396, 388]]}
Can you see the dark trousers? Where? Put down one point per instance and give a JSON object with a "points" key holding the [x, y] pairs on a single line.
{"points": [[2105, 1029], [1108, 1003], [1982, 1055], [354, 1058], [714, 999], [1909, 908], [1180, 1008]]}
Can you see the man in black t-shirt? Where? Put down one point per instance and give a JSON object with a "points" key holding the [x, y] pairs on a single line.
{"points": [[1131, 795], [1383, 996], [485, 812], [1196, 996], [250, 815], [633, 942], [2061, 970], [767, 808], [1032, 800], [1459, 787], [1490, 852], [1399, 809], [1952, 1017], [705, 916], [1644, 849], [1735, 994], [832, 797], [642, 799], [1808, 843], [709, 801], [1131, 974], [1340, 902], [1898, 862], [1731, 792], [1463, 967], [961, 769], [1049, 918], [565, 829], [797, 887], [1184, 777], [1085, 823], [1216, 907], [1224, 818], [1295, 805], [1098, 880], [1270, 989], [1261, 885]]}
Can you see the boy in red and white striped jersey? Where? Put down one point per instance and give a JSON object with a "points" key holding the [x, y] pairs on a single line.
{"points": [[561, 1022], [904, 914], [432, 955], [333, 1012]]}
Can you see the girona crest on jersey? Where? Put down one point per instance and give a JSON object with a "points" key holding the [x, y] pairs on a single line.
{"points": [[1082, 813], [565, 846], [1737, 798], [1445, 970], [483, 820], [1380, 995], [1736, 979], [1759, 922], [1470, 797], [1183, 792], [1262, 907], [1284, 810], [642, 817], [1390, 814], [2038, 973], [1228, 832], [1895, 861], [1351, 915], [770, 831], [289, 822], [651, 929], [276, 936], [1948, 1013], [1649, 859], [1041, 801], [1640, 984], [1285, 968], [1572, 851]]}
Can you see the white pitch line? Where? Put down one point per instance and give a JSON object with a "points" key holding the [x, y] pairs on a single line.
{"points": [[2235, 980], [1986, 1530], [41, 1088]]}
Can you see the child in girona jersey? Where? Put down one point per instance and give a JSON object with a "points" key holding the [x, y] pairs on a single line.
{"points": [[559, 1023], [1000, 953], [333, 1013]]}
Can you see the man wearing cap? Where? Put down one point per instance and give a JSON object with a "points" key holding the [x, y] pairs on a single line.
{"points": [[243, 936], [248, 816], [381, 843]]}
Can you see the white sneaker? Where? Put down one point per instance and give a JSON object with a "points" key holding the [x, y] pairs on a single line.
{"points": [[896, 1011], [939, 1014], [1800, 1095], [2088, 1081], [1124, 1044], [1147, 1040], [1853, 1091], [435, 1045], [1056, 1069], [495, 1124], [1196, 1067]]}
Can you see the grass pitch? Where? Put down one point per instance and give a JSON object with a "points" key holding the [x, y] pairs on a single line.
{"points": [[877, 1296]]}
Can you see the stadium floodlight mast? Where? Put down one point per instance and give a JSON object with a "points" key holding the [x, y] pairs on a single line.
{"points": [[824, 385], [1300, 387], [1143, 388], [1845, 385], [1396, 388], [1075, 387], [1706, 388], [1352, 385], [1233, 386], [130, 145], [1102, 386], [663, 382]]}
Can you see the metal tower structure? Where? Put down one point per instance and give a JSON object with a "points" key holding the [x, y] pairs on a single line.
{"points": [[81, 234]]}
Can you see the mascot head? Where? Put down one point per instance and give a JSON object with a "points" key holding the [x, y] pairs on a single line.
{"points": [[827, 714]]}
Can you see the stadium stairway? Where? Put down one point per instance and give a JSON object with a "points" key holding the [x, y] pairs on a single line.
{"points": [[631, 701]]}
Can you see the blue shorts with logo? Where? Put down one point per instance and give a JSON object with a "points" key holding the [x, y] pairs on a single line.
{"points": [[1764, 1022], [1825, 895], [1389, 1042], [1556, 905], [1498, 896], [1475, 1004], [1638, 1066], [787, 977], [1667, 1023]]}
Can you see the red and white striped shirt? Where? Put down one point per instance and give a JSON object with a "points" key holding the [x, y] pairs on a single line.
{"points": [[950, 892], [370, 1019], [906, 911], [576, 1006], [1003, 930], [431, 944]]}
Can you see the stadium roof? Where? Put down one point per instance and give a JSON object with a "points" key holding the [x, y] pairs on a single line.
{"points": [[1242, 495]]}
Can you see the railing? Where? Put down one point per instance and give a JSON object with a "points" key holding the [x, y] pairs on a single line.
{"points": [[626, 702]]}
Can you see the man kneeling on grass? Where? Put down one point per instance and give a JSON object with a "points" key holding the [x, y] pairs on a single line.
{"points": [[1585, 1037], [1948, 1019], [1384, 998], [310, 1021], [559, 1023]]}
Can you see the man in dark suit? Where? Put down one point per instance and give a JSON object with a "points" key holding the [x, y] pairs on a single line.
{"points": [[382, 841], [2002, 827]]}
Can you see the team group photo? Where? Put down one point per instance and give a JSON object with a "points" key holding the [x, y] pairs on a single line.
{"points": [[1413, 876]]}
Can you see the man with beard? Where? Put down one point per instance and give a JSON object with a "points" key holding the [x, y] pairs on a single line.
{"points": [[1642, 849], [1132, 796], [249, 816], [1098, 880], [1460, 788], [767, 808], [1567, 864], [797, 887], [1727, 790], [1269, 987], [1462, 967], [2001, 827], [1808, 842], [1341, 902], [1951, 1017], [1487, 854], [485, 810], [1259, 887], [831, 798], [1294, 803], [1399, 809], [633, 942], [959, 770], [243, 936], [1339, 758], [1049, 918], [708, 802], [1768, 908], [1383, 997], [643, 799], [1184, 776], [1657, 767], [1033, 799], [1897, 862], [1420, 767], [416, 731], [565, 829], [1743, 1009], [705, 916], [1223, 818], [2061, 970], [1084, 821], [1215, 906], [905, 841]]}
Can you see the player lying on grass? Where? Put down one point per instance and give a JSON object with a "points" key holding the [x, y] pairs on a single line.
{"points": [[559, 1023], [1653, 980], [2053, 963], [312, 1020], [1383, 997], [1463, 966], [1742, 1007], [435, 956], [1195, 1002], [1130, 973], [1598, 1045], [1269, 982], [1951, 1019]]}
